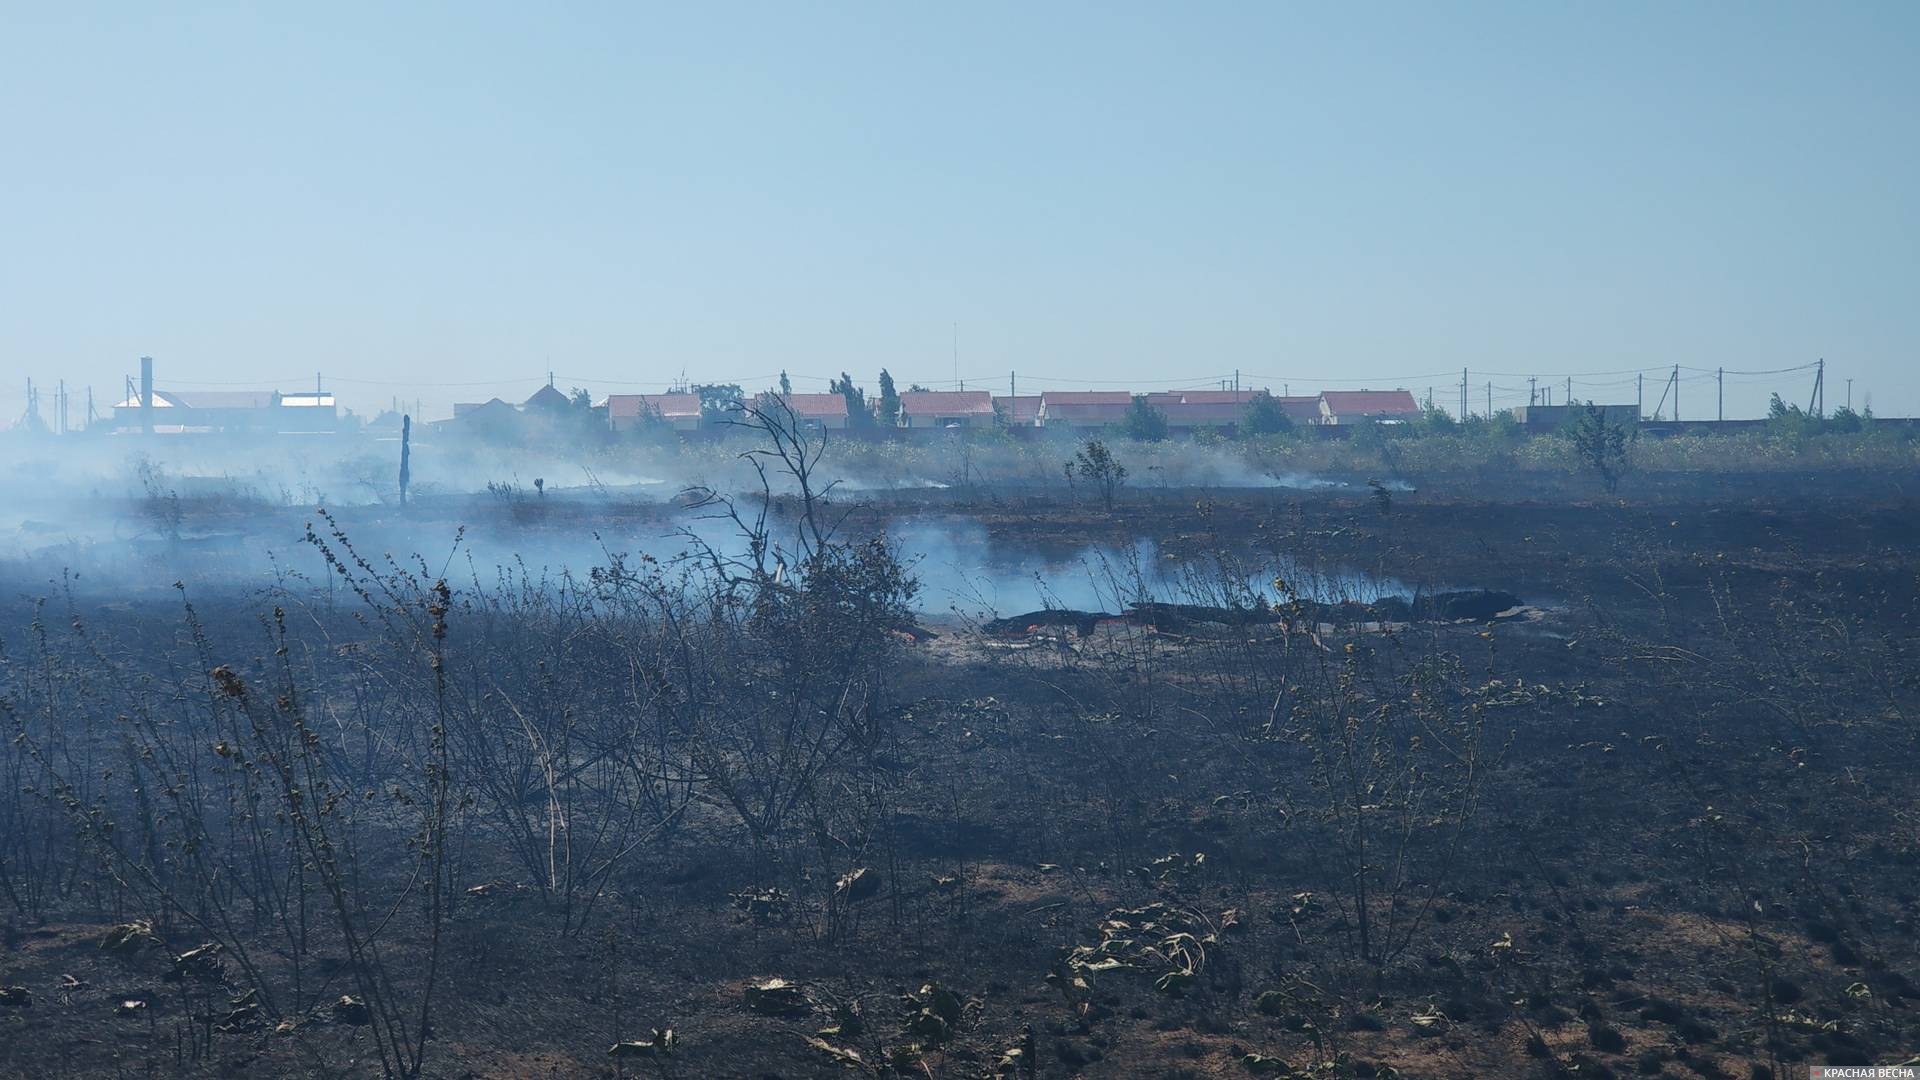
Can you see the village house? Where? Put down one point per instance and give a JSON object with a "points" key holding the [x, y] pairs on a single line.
{"points": [[267, 412], [1364, 406], [1190, 410], [678, 412], [1017, 410], [1084, 408], [946, 409], [823, 412]]}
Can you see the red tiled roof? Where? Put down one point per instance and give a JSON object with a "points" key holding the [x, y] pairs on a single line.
{"points": [[1191, 407], [1370, 402], [628, 406], [814, 406], [1300, 408], [1097, 406], [1019, 406], [1219, 397], [1217, 408], [946, 403], [548, 398], [1086, 397]]}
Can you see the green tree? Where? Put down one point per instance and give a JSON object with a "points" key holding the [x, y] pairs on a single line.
{"points": [[719, 401], [1499, 429], [1266, 417], [888, 409], [1601, 445], [858, 414], [584, 422], [650, 428], [1790, 419], [1145, 423], [1094, 465], [1434, 420]]}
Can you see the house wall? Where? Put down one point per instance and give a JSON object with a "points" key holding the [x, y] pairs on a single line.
{"points": [[936, 421], [675, 423], [1083, 417], [1555, 417], [1335, 419], [267, 421]]}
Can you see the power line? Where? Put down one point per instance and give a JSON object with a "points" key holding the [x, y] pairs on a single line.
{"points": [[1768, 371], [1574, 374], [247, 383], [1195, 379], [1382, 379]]}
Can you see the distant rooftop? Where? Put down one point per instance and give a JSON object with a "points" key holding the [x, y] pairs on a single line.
{"points": [[1370, 402], [1019, 407], [667, 406], [946, 403], [814, 406]]}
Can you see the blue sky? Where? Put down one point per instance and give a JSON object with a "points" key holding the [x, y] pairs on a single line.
{"points": [[443, 202]]}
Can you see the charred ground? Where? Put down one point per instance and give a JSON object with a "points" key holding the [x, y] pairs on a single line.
{"points": [[1660, 823]]}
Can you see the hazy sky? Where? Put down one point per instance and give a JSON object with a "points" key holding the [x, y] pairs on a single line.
{"points": [[446, 201]]}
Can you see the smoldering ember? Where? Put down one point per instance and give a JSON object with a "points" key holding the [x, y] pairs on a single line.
{"points": [[1436, 748]]}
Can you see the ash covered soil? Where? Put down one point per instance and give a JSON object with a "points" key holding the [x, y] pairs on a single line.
{"points": [[1652, 818]]}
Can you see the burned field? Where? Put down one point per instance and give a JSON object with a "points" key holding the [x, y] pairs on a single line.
{"points": [[1312, 784]]}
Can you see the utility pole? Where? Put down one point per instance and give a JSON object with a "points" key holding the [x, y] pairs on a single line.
{"points": [[1012, 385], [1531, 393], [1818, 404], [1849, 395], [1720, 388], [406, 452], [1640, 395], [1569, 390], [1463, 395], [1676, 391], [1489, 399], [1236, 380], [93, 416]]}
